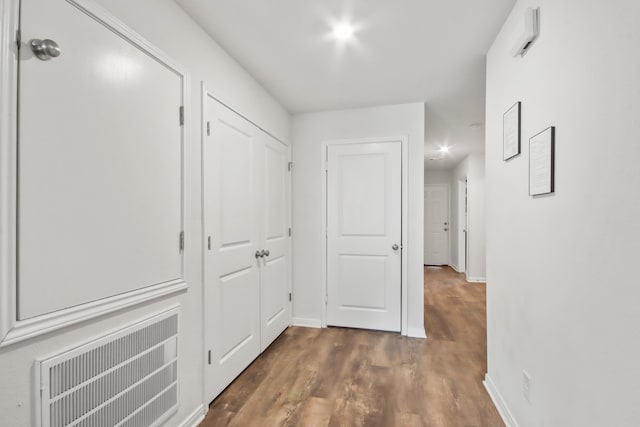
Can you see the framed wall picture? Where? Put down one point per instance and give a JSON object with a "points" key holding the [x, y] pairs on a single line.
{"points": [[542, 162], [511, 132]]}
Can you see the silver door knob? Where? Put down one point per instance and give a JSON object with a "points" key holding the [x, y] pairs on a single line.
{"points": [[265, 252], [259, 254], [45, 49], [395, 247], [446, 229]]}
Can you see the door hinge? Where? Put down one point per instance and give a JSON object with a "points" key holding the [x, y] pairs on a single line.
{"points": [[326, 300], [181, 115], [289, 231], [181, 244], [18, 38], [326, 166], [290, 166], [209, 357], [208, 128], [289, 296], [209, 242]]}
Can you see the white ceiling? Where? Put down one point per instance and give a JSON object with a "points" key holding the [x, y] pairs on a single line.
{"points": [[429, 51]]}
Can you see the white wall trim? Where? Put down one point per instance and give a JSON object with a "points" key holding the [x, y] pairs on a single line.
{"points": [[13, 330], [9, 15], [416, 333], [30, 328], [195, 417], [455, 267], [499, 402], [306, 323], [477, 279], [404, 142]]}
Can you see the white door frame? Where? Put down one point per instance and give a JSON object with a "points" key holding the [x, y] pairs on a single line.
{"points": [[404, 141], [448, 251]]}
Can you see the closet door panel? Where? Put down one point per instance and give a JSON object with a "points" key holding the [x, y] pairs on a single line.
{"points": [[232, 276], [274, 280]]}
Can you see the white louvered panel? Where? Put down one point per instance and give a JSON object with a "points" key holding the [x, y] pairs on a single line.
{"points": [[127, 379]]}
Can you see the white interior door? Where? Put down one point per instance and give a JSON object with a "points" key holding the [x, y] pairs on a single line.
{"points": [[364, 232], [100, 163], [274, 272], [231, 267], [436, 224], [462, 226]]}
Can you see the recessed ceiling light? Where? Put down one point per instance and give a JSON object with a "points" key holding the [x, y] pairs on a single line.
{"points": [[343, 31], [444, 150]]}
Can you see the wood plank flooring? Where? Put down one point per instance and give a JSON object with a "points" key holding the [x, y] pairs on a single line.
{"points": [[346, 377]]}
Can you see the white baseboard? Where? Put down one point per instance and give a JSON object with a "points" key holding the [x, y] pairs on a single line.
{"points": [[477, 279], [416, 333], [455, 267], [196, 417], [499, 402], [306, 323]]}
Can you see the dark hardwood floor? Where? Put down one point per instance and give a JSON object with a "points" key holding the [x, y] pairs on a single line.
{"points": [[346, 377]]}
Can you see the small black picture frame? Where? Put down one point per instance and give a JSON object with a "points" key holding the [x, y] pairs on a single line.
{"points": [[542, 159], [511, 125]]}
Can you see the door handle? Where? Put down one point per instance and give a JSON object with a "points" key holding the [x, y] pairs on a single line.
{"points": [[265, 252], [259, 254], [395, 247], [446, 229], [45, 49]]}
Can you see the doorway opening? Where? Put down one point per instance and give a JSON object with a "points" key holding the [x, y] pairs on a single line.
{"points": [[436, 224]]}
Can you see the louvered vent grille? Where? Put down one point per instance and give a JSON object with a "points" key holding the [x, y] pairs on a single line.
{"points": [[125, 379]]}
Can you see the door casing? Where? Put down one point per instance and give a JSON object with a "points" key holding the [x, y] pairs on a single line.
{"points": [[404, 141]]}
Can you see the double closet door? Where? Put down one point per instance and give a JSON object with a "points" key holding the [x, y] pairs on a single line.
{"points": [[246, 253]]}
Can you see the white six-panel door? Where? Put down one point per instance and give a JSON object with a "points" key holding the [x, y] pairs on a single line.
{"points": [[364, 232], [436, 224], [246, 230]]}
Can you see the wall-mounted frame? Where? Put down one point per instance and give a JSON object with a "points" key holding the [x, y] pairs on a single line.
{"points": [[511, 132], [542, 162], [13, 327]]}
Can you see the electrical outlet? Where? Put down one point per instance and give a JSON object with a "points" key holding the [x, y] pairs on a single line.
{"points": [[526, 385]]}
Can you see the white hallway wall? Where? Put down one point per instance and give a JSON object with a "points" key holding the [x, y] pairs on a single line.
{"points": [[309, 131], [562, 296], [472, 167], [437, 177], [171, 30]]}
